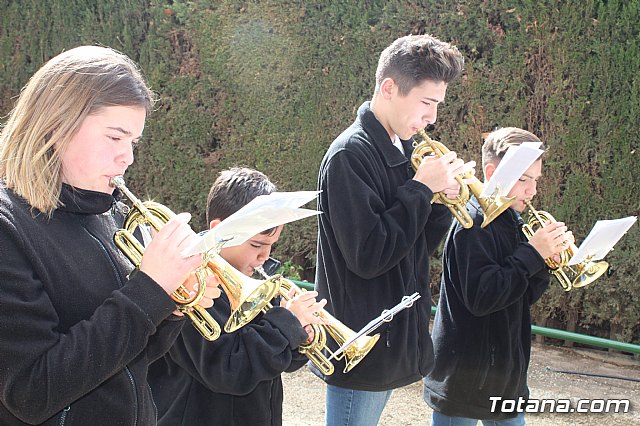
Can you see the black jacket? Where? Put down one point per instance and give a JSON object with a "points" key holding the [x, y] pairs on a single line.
{"points": [[375, 236], [482, 330], [77, 334], [234, 380]]}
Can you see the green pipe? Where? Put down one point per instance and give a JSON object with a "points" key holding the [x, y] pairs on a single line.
{"points": [[305, 285], [585, 339], [551, 332]]}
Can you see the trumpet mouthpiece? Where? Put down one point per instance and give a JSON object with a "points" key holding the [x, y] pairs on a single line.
{"points": [[116, 181]]}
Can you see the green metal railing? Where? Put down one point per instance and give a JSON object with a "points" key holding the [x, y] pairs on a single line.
{"points": [[551, 332]]}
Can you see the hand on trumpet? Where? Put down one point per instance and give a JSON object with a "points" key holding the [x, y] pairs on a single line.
{"points": [[162, 260], [305, 308], [212, 291], [551, 239], [441, 174]]}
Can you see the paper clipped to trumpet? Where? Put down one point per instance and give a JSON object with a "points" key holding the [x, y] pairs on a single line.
{"points": [[515, 162], [600, 241], [262, 213], [386, 316]]}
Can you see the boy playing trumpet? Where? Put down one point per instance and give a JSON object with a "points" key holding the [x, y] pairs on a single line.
{"points": [[235, 380], [491, 277]]}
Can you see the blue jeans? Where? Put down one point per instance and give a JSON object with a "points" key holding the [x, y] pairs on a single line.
{"points": [[438, 419], [349, 407]]}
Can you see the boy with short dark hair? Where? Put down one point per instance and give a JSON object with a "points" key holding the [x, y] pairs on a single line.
{"points": [[235, 380], [491, 277]]}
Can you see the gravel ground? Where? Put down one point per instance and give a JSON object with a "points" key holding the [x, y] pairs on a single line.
{"points": [[304, 393]]}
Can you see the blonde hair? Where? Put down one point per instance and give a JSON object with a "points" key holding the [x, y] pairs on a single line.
{"points": [[499, 141], [50, 110]]}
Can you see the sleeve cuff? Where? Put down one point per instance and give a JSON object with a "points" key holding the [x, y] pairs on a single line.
{"points": [[287, 324], [531, 259], [149, 297], [418, 186]]}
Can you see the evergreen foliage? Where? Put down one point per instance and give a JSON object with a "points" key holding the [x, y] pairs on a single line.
{"points": [[269, 84]]}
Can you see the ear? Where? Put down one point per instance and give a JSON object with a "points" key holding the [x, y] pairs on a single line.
{"points": [[387, 88], [214, 223], [489, 169]]}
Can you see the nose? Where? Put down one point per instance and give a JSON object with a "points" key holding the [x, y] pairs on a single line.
{"points": [[532, 190], [264, 253], [125, 155], [430, 115]]}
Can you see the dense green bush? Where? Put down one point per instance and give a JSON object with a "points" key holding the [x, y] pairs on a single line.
{"points": [[269, 84]]}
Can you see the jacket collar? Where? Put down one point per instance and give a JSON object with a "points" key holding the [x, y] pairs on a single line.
{"points": [[380, 137], [83, 201]]}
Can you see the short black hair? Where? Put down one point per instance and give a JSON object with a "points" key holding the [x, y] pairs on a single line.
{"points": [[414, 59]]}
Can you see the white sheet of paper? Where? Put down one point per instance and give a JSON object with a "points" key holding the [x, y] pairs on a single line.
{"points": [[515, 162], [603, 236], [262, 213]]}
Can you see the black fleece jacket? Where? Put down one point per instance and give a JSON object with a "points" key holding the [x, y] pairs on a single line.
{"points": [[375, 236], [482, 329], [232, 381], [77, 334]]}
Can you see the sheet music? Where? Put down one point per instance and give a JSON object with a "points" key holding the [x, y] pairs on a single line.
{"points": [[515, 162], [603, 236], [262, 213]]}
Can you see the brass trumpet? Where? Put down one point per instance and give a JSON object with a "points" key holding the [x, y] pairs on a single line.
{"points": [[568, 276], [246, 296], [492, 206], [340, 333]]}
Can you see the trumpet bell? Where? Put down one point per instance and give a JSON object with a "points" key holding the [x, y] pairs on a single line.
{"points": [[494, 207], [590, 272], [356, 353], [247, 296], [337, 330], [569, 276]]}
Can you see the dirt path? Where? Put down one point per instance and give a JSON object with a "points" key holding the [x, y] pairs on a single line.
{"points": [[304, 393]]}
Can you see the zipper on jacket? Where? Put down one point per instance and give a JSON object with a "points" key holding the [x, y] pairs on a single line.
{"points": [[63, 416], [106, 253], [135, 395], [153, 401], [492, 363], [120, 285]]}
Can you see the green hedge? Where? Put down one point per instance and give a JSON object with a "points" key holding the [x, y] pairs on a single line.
{"points": [[269, 84]]}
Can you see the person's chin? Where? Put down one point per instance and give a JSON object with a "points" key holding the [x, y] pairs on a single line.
{"points": [[519, 206], [408, 134]]}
